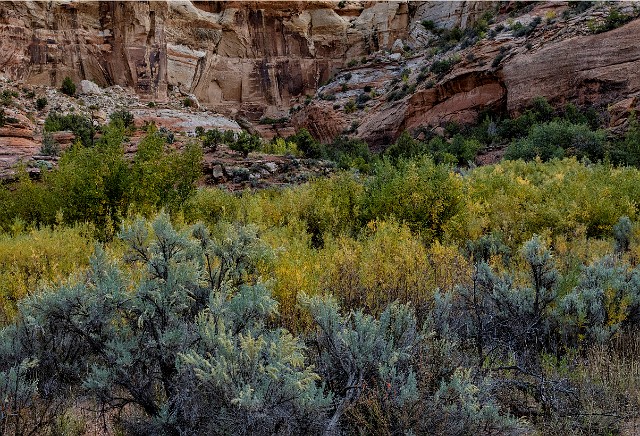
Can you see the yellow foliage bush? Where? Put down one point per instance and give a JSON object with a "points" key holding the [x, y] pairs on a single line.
{"points": [[295, 269], [33, 259], [518, 199], [387, 263]]}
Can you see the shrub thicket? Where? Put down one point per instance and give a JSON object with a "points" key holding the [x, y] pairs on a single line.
{"points": [[418, 298], [193, 337], [82, 127], [100, 186], [558, 139]]}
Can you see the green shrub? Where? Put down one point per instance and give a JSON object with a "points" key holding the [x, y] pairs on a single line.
{"points": [[273, 121], [613, 20], [280, 146], [91, 184], [41, 103], [228, 137], [463, 149], [498, 59], [349, 153], [212, 138], [98, 185], [123, 117], [349, 107], [556, 139], [68, 87], [6, 97], [49, 145], [82, 127], [419, 193], [363, 98], [307, 144], [520, 30], [459, 151], [626, 151], [405, 147], [444, 66], [543, 110], [162, 177], [428, 25], [330, 207], [246, 143]]}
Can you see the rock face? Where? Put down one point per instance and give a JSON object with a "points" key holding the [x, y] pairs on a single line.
{"points": [[560, 61], [250, 58], [17, 141], [254, 59], [105, 42], [590, 69]]}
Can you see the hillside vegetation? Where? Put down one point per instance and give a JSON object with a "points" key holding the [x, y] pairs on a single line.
{"points": [[409, 293]]}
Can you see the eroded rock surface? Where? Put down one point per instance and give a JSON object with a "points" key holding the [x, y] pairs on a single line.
{"points": [[249, 58], [357, 67], [561, 60]]}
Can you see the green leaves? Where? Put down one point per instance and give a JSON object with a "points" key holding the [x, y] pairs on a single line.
{"points": [[419, 193], [246, 143], [163, 177], [557, 139]]}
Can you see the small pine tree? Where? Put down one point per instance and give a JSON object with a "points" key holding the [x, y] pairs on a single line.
{"points": [[68, 87], [41, 103], [212, 138]]}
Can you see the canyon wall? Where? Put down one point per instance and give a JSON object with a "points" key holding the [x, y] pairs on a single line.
{"points": [[254, 59], [107, 42], [241, 58], [563, 60]]}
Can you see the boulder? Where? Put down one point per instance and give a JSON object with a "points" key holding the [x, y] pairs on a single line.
{"points": [[88, 87], [398, 46]]}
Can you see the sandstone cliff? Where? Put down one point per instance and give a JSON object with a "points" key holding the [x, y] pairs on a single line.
{"points": [[106, 42], [249, 60], [560, 59], [252, 58]]}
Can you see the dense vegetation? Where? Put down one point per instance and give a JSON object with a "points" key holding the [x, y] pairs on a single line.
{"points": [[411, 296]]}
